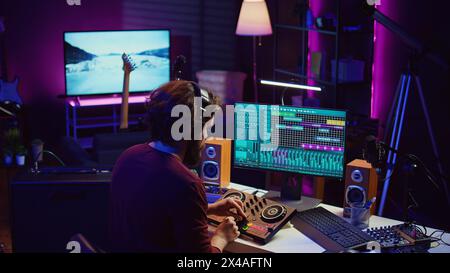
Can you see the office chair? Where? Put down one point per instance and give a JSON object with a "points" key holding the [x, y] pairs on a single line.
{"points": [[80, 244]]}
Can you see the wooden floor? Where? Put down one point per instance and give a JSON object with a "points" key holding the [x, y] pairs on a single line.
{"points": [[5, 236]]}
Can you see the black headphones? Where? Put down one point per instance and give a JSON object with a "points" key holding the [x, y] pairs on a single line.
{"points": [[206, 100], [198, 92], [201, 93]]}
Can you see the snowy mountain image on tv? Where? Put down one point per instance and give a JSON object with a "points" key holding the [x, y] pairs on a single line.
{"points": [[93, 62]]}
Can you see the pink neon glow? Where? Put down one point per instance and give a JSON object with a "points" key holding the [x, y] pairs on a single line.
{"points": [[112, 100], [313, 42], [383, 74], [373, 71], [373, 111]]}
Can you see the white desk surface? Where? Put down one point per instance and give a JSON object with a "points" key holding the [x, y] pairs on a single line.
{"points": [[290, 240]]}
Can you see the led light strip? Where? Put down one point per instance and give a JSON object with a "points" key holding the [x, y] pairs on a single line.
{"points": [[291, 85]]}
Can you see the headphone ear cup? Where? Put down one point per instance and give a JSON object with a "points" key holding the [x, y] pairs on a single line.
{"points": [[199, 92], [197, 89]]}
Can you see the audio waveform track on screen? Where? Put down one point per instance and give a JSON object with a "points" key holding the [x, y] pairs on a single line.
{"points": [[285, 138]]}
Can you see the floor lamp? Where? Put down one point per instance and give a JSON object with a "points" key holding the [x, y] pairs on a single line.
{"points": [[254, 20]]}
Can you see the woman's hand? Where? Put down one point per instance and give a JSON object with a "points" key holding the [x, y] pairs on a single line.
{"points": [[228, 207]]}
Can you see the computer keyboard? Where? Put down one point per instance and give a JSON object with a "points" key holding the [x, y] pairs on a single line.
{"points": [[328, 230]]}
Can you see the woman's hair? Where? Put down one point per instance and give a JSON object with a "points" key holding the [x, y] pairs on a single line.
{"points": [[160, 104]]}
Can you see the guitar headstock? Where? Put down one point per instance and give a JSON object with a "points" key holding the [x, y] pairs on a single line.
{"points": [[128, 63]]}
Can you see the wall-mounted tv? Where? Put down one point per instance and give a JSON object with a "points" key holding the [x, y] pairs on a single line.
{"points": [[93, 62]]}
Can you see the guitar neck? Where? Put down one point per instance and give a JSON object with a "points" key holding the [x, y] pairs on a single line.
{"points": [[3, 68], [125, 95]]}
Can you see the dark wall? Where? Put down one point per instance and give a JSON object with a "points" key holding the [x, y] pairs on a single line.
{"points": [[429, 23], [35, 53], [211, 24]]}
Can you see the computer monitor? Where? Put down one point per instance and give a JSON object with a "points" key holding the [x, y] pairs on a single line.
{"points": [[299, 140]]}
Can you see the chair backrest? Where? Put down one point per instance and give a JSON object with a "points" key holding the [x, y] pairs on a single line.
{"points": [[80, 244], [108, 147]]}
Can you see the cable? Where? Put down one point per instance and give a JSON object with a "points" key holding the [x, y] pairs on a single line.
{"points": [[56, 157], [439, 238], [429, 173], [284, 91], [392, 173], [50, 153], [442, 240], [381, 147], [282, 95], [415, 159]]}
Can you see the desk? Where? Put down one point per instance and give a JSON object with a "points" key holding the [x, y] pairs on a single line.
{"points": [[290, 240]]}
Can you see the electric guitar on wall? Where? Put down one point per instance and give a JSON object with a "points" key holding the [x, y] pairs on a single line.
{"points": [[3, 70], [10, 100], [128, 67]]}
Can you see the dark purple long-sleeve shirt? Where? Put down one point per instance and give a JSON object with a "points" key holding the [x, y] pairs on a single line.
{"points": [[157, 204]]}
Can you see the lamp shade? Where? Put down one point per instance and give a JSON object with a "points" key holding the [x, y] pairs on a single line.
{"points": [[254, 19]]}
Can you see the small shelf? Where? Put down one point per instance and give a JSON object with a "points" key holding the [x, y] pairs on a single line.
{"points": [[326, 32], [292, 73], [300, 28]]}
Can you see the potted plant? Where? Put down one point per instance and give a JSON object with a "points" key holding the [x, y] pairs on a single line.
{"points": [[7, 156], [12, 138], [21, 153]]}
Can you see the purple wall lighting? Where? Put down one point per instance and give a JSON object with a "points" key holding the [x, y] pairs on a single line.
{"points": [[314, 45], [313, 41], [106, 100], [383, 75]]}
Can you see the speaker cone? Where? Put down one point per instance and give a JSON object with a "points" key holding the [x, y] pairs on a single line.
{"points": [[355, 195], [210, 170]]}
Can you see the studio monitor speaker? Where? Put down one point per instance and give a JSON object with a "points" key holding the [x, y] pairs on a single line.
{"points": [[360, 185], [215, 166]]}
